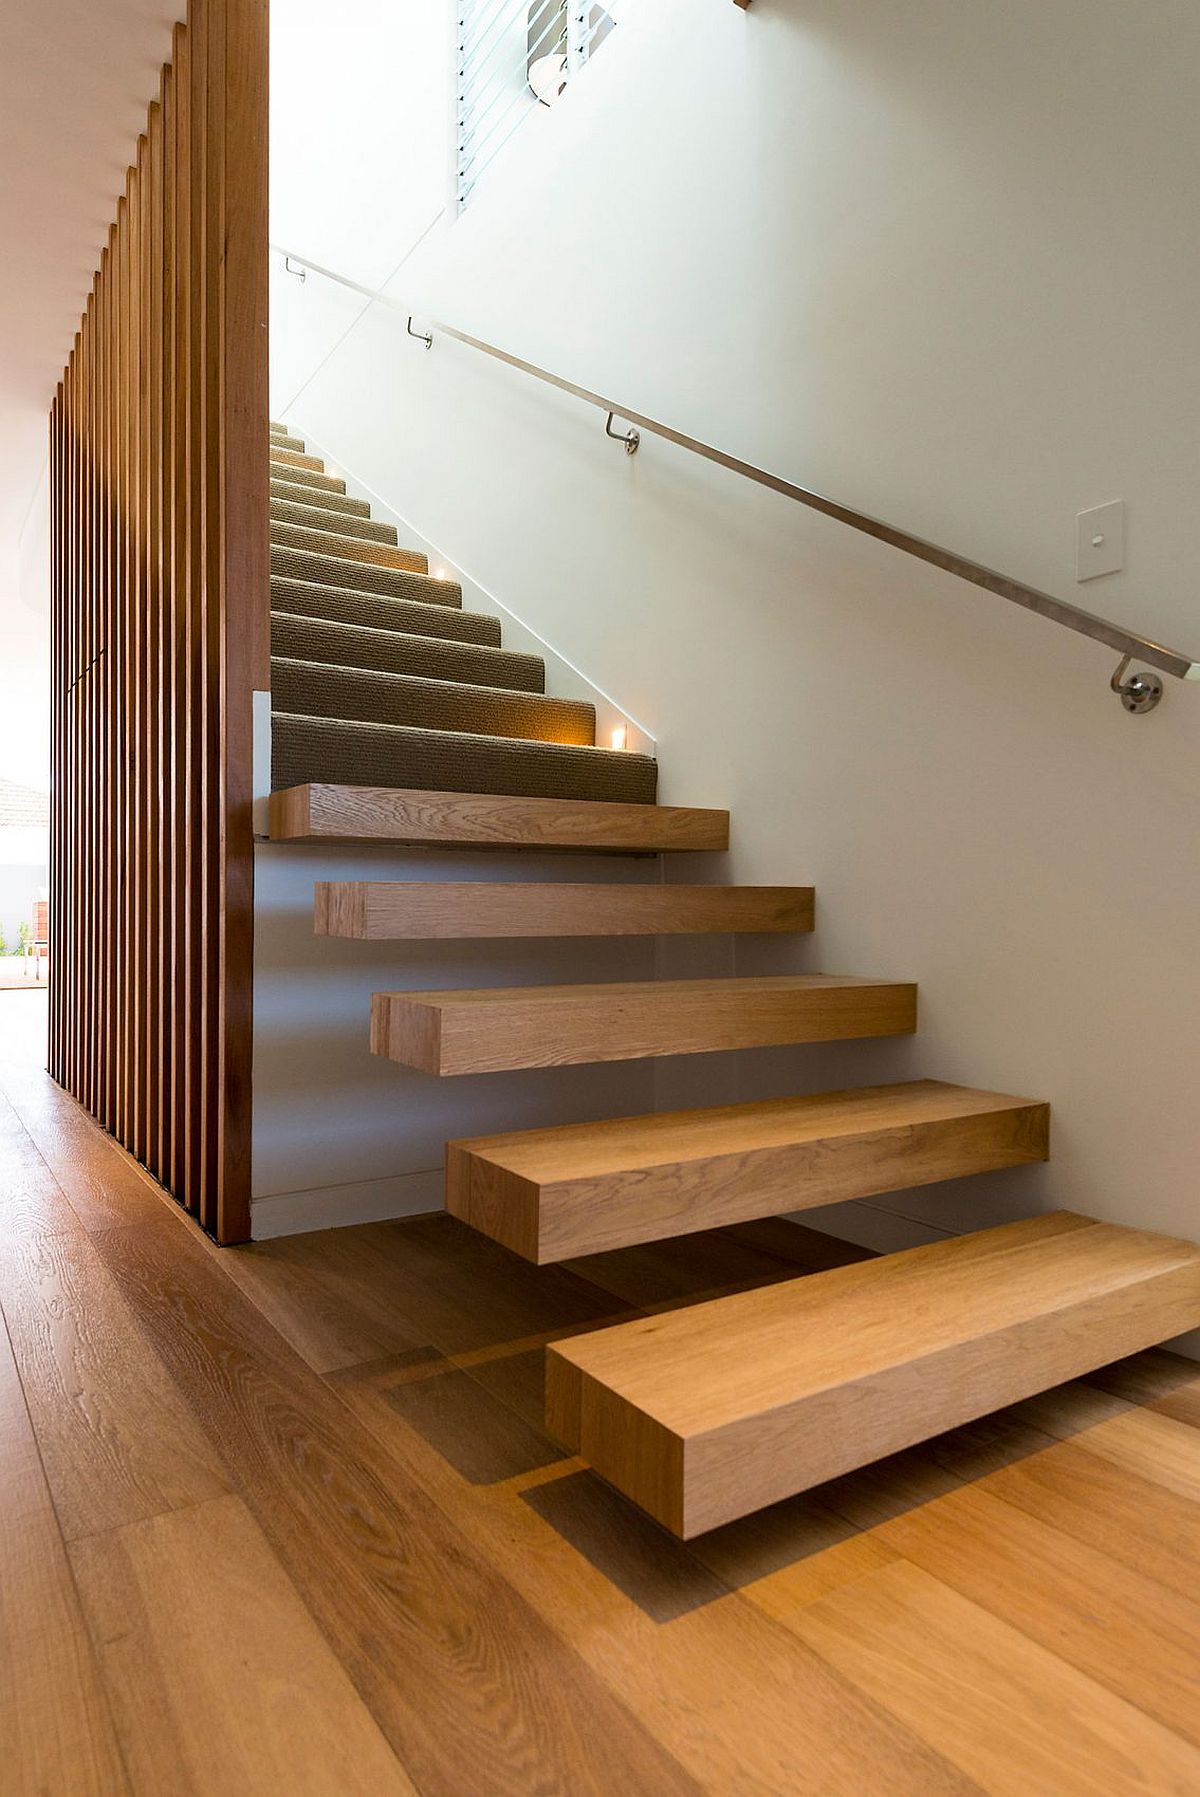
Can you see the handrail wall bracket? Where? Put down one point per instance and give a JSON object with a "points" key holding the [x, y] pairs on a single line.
{"points": [[631, 439], [1141, 692], [425, 337]]}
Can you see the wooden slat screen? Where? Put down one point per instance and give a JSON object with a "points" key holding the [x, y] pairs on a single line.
{"points": [[161, 623]]}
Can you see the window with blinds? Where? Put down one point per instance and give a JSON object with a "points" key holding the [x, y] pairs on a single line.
{"points": [[515, 56]]}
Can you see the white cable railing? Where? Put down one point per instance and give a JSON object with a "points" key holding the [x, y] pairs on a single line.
{"points": [[512, 56]]}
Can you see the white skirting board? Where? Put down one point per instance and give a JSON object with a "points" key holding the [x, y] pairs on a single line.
{"points": [[332, 1207]]}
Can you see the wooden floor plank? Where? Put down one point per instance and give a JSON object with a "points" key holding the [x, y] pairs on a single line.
{"points": [[1153, 1446], [116, 1439], [511, 1623], [724, 1688], [56, 1731], [1135, 1521], [32, 1203], [1009, 1714], [1130, 1635], [470, 1687], [220, 1679]]}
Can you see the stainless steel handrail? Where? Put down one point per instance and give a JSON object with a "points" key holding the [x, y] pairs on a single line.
{"points": [[1140, 692]]}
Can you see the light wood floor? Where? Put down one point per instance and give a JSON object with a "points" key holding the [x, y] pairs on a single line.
{"points": [[285, 1519]]}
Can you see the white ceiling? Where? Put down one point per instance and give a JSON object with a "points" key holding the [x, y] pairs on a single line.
{"points": [[76, 77]]}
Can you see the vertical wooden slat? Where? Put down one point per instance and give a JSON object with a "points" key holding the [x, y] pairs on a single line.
{"points": [[181, 588], [160, 592], [245, 631], [152, 730], [198, 944]]}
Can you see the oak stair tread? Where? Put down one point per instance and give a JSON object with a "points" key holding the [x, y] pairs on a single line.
{"points": [[707, 1413], [393, 910], [501, 1028], [377, 696], [585, 1188], [307, 749], [325, 811]]}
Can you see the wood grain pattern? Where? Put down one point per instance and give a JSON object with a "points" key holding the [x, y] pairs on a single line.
{"points": [[160, 628], [56, 1731], [117, 1444], [393, 910], [481, 820], [408, 1519], [167, 1596], [706, 1413], [962, 1679], [471, 1689], [587, 1187], [553, 1026], [1045, 1582], [721, 1687]]}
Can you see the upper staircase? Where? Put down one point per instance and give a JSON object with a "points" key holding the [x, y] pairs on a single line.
{"points": [[379, 678], [398, 717]]}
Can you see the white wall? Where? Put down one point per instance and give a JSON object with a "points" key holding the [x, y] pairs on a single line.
{"points": [[25, 647], [940, 260], [360, 110]]}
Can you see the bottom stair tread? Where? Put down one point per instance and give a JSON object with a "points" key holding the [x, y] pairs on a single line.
{"points": [[704, 1414]]}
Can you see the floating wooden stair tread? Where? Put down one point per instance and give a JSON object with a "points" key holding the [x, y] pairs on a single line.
{"points": [[704, 1414], [550, 1026], [321, 812], [392, 910], [550, 1194]]}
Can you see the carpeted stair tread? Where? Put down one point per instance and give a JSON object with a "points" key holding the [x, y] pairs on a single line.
{"points": [[348, 548], [294, 458], [307, 750], [311, 517], [282, 440], [370, 696], [338, 505], [363, 577], [440, 615], [309, 477], [397, 652]]}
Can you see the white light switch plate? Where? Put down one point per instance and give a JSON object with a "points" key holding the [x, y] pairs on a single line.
{"points": [[1100, 540]]}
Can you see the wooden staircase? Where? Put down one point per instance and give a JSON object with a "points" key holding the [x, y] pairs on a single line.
{"points": [[703, 1414]]}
